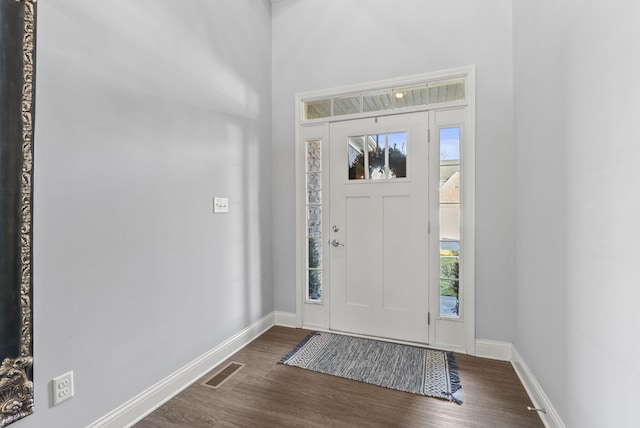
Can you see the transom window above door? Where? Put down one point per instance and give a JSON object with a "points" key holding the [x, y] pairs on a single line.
{"points": [[377, 156], [385, 99]]}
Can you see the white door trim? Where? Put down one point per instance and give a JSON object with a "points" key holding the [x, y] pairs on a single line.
{"points": [[315, 315]]}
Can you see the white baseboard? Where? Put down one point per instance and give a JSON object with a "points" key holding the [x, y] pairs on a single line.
{"points": [[551, 418], [505, 351], [493, 350], [147, 401], [285, 319]]}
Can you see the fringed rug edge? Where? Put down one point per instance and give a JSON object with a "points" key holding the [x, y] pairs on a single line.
{"points": [[454, 379], [297, 348]]}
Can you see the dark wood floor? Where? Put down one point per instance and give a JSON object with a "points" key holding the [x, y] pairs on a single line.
{"points": [[267, 394]]}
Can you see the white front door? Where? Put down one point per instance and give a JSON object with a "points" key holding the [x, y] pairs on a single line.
{"points": [[379, 219]]}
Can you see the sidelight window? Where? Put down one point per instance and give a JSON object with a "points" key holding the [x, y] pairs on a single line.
{"points": [[314, 219], [450, 222]]}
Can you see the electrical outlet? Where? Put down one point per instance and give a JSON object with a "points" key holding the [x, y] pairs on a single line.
{"points": [[62, 388]]}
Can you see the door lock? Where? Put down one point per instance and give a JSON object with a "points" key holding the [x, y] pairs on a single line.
{"points": [[336, 243]]}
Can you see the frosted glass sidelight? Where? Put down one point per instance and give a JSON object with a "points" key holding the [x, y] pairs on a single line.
{"points": [[314, 156], [314, 219], [314, 188], [315, 197], [315, 253], [314, 285]]}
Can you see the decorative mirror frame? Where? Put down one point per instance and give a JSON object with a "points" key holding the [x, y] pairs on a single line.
{"points": [[17, 68]]}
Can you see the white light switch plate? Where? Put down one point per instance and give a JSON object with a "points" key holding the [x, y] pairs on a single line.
{"points": [[220, 205]]}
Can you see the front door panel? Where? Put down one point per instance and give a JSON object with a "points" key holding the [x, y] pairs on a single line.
{"points": [[379, 207]]}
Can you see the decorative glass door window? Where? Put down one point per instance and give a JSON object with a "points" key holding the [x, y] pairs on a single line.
{"points": [[378, 156], [314, 219], [449, 222]]}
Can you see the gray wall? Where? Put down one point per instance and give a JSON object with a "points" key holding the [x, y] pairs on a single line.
{"points": [[319, 44], [577, 155], [145, 111]]}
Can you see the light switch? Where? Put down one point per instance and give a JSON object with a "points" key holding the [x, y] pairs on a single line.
{"points": [[220, 205]]}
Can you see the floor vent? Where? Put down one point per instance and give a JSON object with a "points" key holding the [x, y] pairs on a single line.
{"points": [[223, 375]]}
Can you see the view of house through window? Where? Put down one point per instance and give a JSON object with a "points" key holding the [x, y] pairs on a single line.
{"points": [[314, 219], [450, 222]]}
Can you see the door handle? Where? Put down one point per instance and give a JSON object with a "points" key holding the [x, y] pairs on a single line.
{"points": [[336, 243]]}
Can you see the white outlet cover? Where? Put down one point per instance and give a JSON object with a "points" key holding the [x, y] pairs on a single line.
{"points": [[62, 388], [220, 205]]}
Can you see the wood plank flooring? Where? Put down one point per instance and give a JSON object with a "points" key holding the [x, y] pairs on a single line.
{"points": [[267, 394]]}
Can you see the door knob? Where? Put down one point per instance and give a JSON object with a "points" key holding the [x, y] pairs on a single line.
{"points": [[337, 243]]}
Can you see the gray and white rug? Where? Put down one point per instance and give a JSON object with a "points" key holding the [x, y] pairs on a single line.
{"points": [[406, 368]]}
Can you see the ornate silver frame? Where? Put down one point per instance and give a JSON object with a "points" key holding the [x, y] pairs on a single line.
{"points": [[16, 384]]}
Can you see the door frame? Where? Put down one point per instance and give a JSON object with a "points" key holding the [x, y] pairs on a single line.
{"points": [[315, 315]]}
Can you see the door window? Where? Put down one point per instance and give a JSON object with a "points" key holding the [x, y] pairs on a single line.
{"points": [[377, 156]]}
